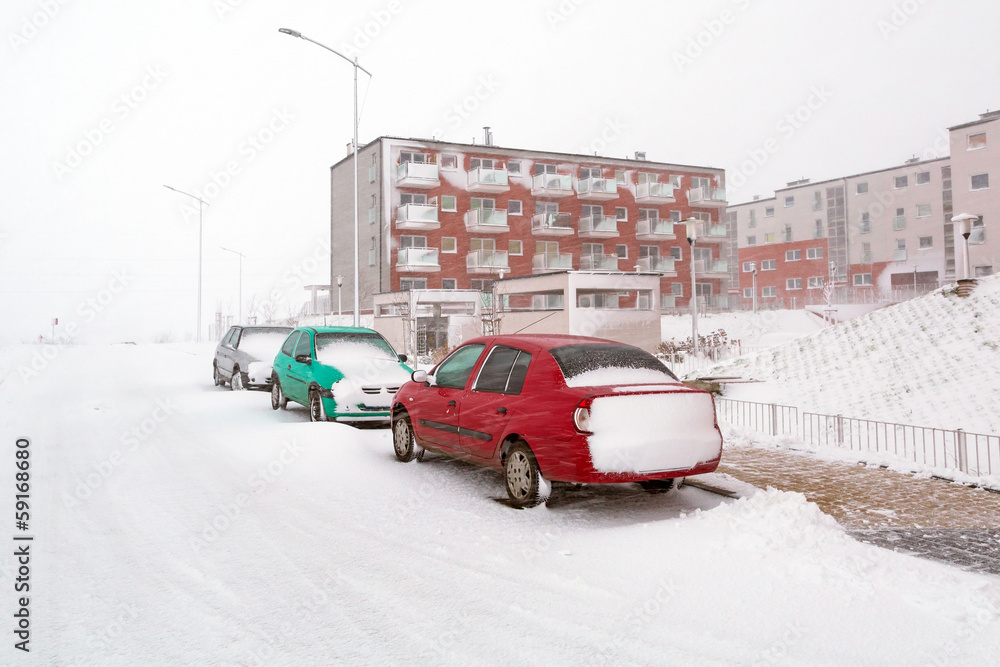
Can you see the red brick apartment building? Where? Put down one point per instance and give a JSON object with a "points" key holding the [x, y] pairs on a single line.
{"points": [[442, 215]]}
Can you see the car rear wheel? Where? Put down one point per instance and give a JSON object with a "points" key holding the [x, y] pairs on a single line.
{"points": [[278, 399], [525, 485], [316, 411], [236, 382], [403, 442], [217, 376]]}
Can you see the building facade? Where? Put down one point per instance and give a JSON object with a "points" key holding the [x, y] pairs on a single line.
{"points": [[440, 215]]}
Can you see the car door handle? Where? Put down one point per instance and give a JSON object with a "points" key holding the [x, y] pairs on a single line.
{"points": [[289, 367], [502, 411], [451, 404]]}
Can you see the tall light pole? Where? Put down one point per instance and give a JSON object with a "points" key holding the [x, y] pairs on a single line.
{"points": [[691, 225], [241, 280], [357, 273], [201, 202], [340, 303], [755, 287]]}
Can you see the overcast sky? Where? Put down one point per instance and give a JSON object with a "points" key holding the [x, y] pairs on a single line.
{"points": [[105, 101]]}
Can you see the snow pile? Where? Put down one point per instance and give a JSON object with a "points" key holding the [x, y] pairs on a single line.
{"points": [[600, 377], [653, 432], [931, 361]]}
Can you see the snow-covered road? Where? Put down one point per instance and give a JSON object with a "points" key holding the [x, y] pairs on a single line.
{"points": [[178, 523]]}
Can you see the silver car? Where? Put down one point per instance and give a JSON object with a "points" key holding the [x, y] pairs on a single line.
{"points": [[243, 357]]}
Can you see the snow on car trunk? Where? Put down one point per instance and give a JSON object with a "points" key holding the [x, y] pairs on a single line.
{"points": [[643, 433]]}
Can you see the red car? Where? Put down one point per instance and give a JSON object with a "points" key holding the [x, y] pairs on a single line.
{"points": [[545, 408]]}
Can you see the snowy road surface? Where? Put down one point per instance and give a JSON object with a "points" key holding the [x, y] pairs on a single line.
{"points": [[177, 523]]}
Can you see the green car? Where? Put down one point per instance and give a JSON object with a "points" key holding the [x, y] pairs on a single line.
{"points": [[344, 374]]}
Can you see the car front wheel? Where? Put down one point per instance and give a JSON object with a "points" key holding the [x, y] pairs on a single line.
{"points": [[316, 411], [278, 399], [525, 485], [236, 382], [403, 442]]}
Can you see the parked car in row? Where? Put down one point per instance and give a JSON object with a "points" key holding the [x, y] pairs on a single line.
{"points": [[243, 357], [344, 374], [544, 408]]}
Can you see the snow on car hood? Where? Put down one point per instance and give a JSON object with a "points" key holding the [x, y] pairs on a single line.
{"points": [[653, 432], [370, 377]]}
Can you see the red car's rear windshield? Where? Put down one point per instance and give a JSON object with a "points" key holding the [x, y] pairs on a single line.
{"points": [[576, 360]]}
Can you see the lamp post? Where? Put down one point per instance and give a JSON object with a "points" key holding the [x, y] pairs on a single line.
{"points": [[340, 303], [240, 310], [691, 226], [357, 274], [754, 271], [201, 202], [963, 227]]}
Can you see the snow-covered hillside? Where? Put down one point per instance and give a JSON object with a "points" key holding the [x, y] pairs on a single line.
{"points": [[178, 523], [763, 328], [931, 361]]}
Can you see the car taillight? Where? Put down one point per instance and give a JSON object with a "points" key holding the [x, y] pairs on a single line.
{"points": [[581, 416]]}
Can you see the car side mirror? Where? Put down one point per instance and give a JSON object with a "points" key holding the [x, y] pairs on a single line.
{"points": [[403, 358], [303, 359], [419, 376]]}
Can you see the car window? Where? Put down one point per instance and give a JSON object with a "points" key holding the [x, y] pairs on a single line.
{"points": [[235, 338], [304, 346], [333, 348], [228, 338], [613, 361], [504, 371], [289, 347], [454, 371]]}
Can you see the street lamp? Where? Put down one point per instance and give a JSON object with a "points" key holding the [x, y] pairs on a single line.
{"points": [[241, 280], [201, 202], [357, 274], [340, 303], [963, 228], [691, 226], [754, 271]]}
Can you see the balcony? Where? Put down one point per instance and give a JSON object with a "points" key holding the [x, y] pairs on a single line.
{"points": [[487, 261], [663, 265], [597, 189], [599, 263], [714, 197], [486, 221], [418, 260], [655, 230], [711, 268], [552, 224], [552, 185], [417, 216], [654, 193], [417, 175], [598, 227], [543, 262], [488, 180], [708, 233]]}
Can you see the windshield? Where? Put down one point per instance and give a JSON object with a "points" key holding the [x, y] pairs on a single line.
{"points": [[263, 344], [334, 348], [609, 363]]}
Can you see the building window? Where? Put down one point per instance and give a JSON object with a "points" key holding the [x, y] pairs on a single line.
{"points": [[621, 214], [753, 218], [622, 251], [449, 283], [677, 289], [816, 282], [899, 221], [409, 198], [412, 241], [769, 212], [675, 180], [480, 163], [482, 285], [372, 250], [768, 291], [514, 207], [865, 227], [983, 271], [449, 244], [751, 240], [926, 242], [980, 181], [899, 182], [769, 238], [862, 279], [675, 216], [748, 267], [818, 231], [449, 203], [786, 236], [747, 292], [514, 168], [923, 178], [900, 254], [814, 253], [620, 176], [789, 201], [861, 188], [650, 214], [407, 284], [371, 173], [449, 162], [418, 158], [793, 255], [923, 210], [676, 253], [977, 141], [977, 235], [817, 201], [866, 253], [514, 247], [793, 283], [769, 265]]}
